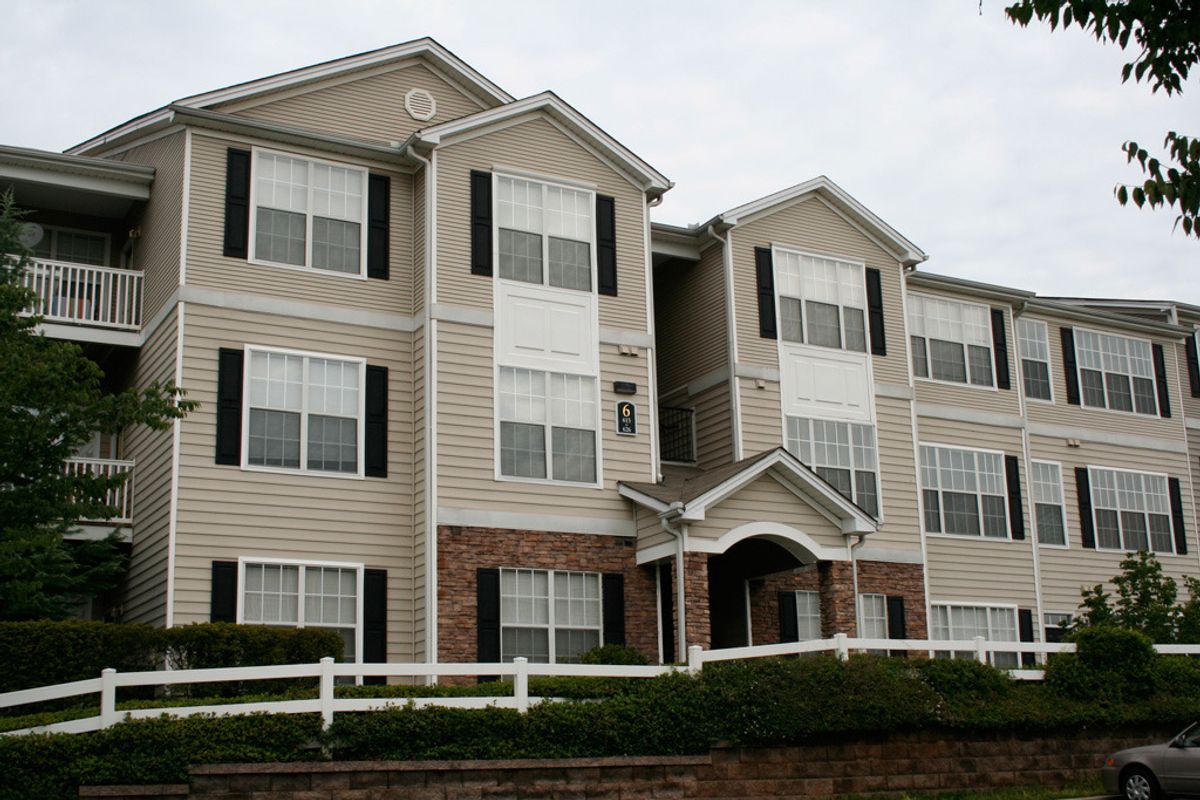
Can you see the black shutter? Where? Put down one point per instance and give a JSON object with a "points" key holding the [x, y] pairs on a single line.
{"points": [[237, 203], [223, 601], [789, 625], [875, 312], [1177, 516], [1083, 487], [613, 611], [1070, 371], [487, 612], [1016, 517], [606, 245], [481, 223], [897, 627], [1193, 362], [375, 425], [1025, 629], [666, 604], [229, 406], [1160, 378], [375, 621], [1000, 349], [379, 201], [765, 270]]}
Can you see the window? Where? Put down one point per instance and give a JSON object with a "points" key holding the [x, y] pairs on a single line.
{"points": [[544, 233], [963, 492], [303, 412], [843, 453], [821, 301], [548, 414], [872, 616], [548, 616], [963, 623], [1131, 511], [303, 595], [808, 615], [951, 341], [1116, 372], [1056, 626], [308, 213], [76, 247], [1046, 479], [1035, 358]]}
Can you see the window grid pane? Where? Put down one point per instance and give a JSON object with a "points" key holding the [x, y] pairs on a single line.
{"points": [[842, 453], [950, 330], [1131, 510], [549, 616], [832, 294], [808, 615], [1116, 372], [963, 492]]}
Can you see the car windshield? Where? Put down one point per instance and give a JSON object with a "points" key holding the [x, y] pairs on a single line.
{"points": [[1190, 737]]}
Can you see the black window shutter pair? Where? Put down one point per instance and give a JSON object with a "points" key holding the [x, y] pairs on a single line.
{"points": [[1025, 634], [1016, 516], [229, 414], [1000, 349], [237, 214], [481, 234]]}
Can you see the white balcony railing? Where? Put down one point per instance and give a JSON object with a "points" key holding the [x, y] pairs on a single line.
{"points": [[82, 294], [120, 498]]}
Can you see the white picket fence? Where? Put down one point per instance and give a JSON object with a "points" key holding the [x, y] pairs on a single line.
{"points": [[519, 671]]}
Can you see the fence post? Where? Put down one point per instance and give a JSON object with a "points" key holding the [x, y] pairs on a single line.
{"points": [[521, 683], [695, 659], [108, 698], [326, 692], [980, 653], [840, 647]]}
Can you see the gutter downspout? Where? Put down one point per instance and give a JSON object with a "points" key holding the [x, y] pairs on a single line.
{"points": [[680, 537], [862, 537]]}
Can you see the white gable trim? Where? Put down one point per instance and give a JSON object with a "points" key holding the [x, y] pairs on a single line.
{"points": [[794, 540]]}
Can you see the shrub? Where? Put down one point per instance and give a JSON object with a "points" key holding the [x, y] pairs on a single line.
{"points": [[40, 653], [1110, 665], [613, 654], [963, 679]]}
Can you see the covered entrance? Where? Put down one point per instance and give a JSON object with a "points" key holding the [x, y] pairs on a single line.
{"points": [[729, 586]]}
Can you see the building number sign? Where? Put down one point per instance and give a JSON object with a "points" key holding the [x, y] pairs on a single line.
{"points": [[626, 418]]}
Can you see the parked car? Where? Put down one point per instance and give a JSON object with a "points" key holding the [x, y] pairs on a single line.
{"points": [[1158, 770]]}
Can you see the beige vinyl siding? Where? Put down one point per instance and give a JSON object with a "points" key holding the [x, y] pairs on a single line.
{"points": [[973, 569], [1060, 412], [226, 512], [209, 268], [650, 531], [690, 324], [145, 591], [420, 561], [156, 253], [714, 426], [368, 104], [419, 267], [971, 435], [812, 226], [466, 434], [762, 417], [766, 500], [536, 146], [897, 476]]}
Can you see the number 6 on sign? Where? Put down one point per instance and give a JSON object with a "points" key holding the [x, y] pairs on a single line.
{"points": [[626, 418]]}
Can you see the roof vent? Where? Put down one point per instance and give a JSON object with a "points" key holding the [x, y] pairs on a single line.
{"points": [[420, 104]]}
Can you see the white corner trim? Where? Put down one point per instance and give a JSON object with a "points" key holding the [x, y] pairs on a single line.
{"points": [[515, 520], [173, 511], [186, 205]]}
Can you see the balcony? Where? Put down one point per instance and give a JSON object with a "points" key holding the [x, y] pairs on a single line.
{"points": [[82, 294], [677, 434], [120, 498]]}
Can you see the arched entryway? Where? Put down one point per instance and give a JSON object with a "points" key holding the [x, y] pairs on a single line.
{"points": [[729, 575]]}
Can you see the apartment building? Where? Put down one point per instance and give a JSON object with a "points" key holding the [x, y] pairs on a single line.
{"points": [[462, 401]]}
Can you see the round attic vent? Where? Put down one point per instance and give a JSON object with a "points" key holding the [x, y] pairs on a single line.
{"points": [[420, 104]]}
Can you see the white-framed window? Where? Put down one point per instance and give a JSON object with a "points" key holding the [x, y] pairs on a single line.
{"points": [[308, 213], [1056, 625], [1131, 511], [1033, 348], [808, 614], [951, 341], [963, 492], [843, 453], [303, 594], [73, 246], [1048, 513], [965, 622], [303, 412], [545, 233], [548, 424], [822, 300], [549, 616], [1116, 372], [872, 616]]}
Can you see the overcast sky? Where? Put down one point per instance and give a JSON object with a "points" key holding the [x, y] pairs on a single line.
{"points": [[994, 148]]}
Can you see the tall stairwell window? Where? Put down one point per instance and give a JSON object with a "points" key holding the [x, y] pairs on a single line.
{"points": [[843, 453]]}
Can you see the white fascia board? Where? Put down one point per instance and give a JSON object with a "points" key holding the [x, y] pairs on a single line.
{"points": [[78, 181], [159, 118], [642, 499]]}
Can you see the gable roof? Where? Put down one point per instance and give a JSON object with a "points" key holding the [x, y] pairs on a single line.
{"points": [[651, 180], [688, 494]]}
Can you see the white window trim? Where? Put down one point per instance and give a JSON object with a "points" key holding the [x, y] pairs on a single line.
{"points": [[303, 468], [797, 593], [877, 472], [960, 537], [1105, 409], [1021, 359], [359, 569], [307, 267], [1095, 528], [966, 355], [1062, 492], [550, 621], [558, 183], [985, 604], [862, 274], [547, 481], [50, 230], [886, 618]]}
